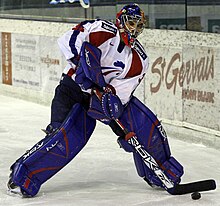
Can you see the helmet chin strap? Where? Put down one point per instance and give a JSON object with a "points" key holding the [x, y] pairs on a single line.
{"points": [[126, 38], [132, 41]]}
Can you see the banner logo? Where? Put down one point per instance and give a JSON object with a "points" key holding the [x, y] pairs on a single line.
{"points": [[84, 3], [6, 59]]}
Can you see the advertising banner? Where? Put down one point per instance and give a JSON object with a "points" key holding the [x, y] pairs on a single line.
{"points": [[162, 89], [182, 84], [200, 93], [84, 3], [26, 66], [214, 25], [168, 23], [6, 58], [52, 63]]}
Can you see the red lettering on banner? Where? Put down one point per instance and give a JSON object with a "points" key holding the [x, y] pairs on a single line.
{"points": [[175, 73]]}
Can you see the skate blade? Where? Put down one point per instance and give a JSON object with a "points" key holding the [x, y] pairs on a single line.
{"points": [[16, 192]]}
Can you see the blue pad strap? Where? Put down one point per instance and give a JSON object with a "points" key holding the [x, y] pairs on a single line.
{"points": [[53, 152]]}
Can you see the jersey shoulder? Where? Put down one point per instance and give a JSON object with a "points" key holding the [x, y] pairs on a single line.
{"points": [[100, 31], [100, 25], [140, 50], [108, 26]]}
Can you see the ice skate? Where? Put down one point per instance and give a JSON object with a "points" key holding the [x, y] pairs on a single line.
{"points": [[13, 189]]}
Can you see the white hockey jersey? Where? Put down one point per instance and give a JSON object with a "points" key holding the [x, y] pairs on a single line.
{"points": [[122, 67]]}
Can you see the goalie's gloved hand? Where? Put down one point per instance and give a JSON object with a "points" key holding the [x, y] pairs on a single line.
{"points": [[105, 109], [111, 105]]}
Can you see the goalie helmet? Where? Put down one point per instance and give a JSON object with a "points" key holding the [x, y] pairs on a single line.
{"points": [[131, 21]]}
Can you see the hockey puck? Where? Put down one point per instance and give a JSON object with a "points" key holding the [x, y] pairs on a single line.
{"points": [[196, 195]]}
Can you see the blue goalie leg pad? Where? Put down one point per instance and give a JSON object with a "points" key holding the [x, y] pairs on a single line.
{"points": [[124, 144], [144, 172], [53, 152], [151, 135]]}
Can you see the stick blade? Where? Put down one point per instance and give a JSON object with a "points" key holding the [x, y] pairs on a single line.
{"points": [[199, 186]]}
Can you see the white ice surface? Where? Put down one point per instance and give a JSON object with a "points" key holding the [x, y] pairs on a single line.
{"points": [[102, 174]]}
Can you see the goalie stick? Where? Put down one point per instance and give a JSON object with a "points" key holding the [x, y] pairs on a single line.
{"points": [[179, 189], [170, 187]]}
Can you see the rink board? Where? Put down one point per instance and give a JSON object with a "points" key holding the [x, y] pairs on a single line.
{"points": [[181, 86]]}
